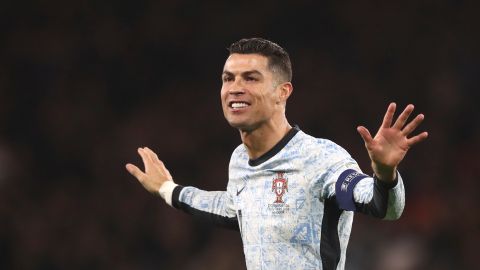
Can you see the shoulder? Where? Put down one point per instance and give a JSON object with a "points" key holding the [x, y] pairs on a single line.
{"points": [[320, 147], [239, 154], [239, 150], [309, 142]]}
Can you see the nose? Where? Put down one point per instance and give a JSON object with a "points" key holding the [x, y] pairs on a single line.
{"points": [[236, 91], [236, 88]]}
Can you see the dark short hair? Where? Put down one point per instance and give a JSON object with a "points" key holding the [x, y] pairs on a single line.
{"points": [[278, 59]]}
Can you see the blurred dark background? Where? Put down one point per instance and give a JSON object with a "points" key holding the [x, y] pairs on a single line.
{"points": [[84, 83]]}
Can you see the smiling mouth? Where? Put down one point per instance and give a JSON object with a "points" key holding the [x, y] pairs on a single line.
{"points": [[238, 104]]}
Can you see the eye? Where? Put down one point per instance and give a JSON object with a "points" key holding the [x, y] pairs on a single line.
{"points": [[227, 78], [251, 78]]}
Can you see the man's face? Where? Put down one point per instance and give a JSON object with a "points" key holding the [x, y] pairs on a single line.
{"points": [[250, 95]]}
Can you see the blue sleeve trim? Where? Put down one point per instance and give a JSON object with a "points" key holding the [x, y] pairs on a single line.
{"points": [[344, 186]]}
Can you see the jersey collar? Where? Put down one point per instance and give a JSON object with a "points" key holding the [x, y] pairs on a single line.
{"points": [[275, 149]]}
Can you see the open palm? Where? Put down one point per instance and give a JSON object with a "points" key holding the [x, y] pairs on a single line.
{"points": [[391, 143], [155, 175]]}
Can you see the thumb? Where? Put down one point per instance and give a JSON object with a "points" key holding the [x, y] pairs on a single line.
{"points": [[135, 171], [365, 134]]}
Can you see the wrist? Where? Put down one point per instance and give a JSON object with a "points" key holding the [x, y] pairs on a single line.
{"points": [[384, 173], [165, 191], [386, 184]]}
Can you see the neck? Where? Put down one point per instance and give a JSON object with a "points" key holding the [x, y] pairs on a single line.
{"points": [[264, 138]]}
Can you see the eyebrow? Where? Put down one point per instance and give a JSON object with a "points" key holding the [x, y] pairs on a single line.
{"points": [[245, 73]]}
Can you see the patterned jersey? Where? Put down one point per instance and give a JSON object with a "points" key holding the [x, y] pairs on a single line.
{"points": [[294, 206]]}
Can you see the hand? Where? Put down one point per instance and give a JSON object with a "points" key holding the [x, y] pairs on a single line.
{"points": [[390, 145], [155, 172]]}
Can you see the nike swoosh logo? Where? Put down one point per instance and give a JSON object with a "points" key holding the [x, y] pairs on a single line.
{"points": [[240, 191]]}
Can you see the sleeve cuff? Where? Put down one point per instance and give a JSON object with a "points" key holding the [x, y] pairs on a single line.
{"points": [[166, 191], [387, 185]]}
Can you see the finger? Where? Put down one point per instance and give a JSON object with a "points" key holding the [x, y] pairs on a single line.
{"points": [[135, 171], [154, 158], [387, 119], [365, 134], [159, 162], [416, 139], [410, 127], [149, 154], [402, 119], [152, 154], [145, 158]]}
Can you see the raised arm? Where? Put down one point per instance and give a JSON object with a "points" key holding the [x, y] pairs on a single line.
{"points": [[382, 196], [391, 143]]}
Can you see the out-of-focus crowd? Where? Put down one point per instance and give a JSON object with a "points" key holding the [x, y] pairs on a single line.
{"points": [[84, 83]]}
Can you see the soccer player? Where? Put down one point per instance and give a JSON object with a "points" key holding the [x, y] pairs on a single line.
{"points": [[291, 196]]}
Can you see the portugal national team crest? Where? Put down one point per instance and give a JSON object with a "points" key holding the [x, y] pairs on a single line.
{"points": [[279, 187]]}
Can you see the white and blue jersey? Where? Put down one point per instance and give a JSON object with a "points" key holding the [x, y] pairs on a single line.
{"points": [[294, 205]]}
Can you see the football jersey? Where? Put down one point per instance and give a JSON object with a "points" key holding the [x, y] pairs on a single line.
{"points": [[294, 205]]}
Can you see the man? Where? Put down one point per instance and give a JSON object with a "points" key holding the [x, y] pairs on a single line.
{"points": [[291, 196]]}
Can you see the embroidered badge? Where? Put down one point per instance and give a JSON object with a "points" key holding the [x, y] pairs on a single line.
{"points": [[279, 187]]}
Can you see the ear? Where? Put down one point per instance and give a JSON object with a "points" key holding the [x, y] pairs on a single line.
{"points": [[286, 90]]}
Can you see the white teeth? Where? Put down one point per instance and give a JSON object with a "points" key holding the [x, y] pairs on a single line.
{"points": [[237, 105]]}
